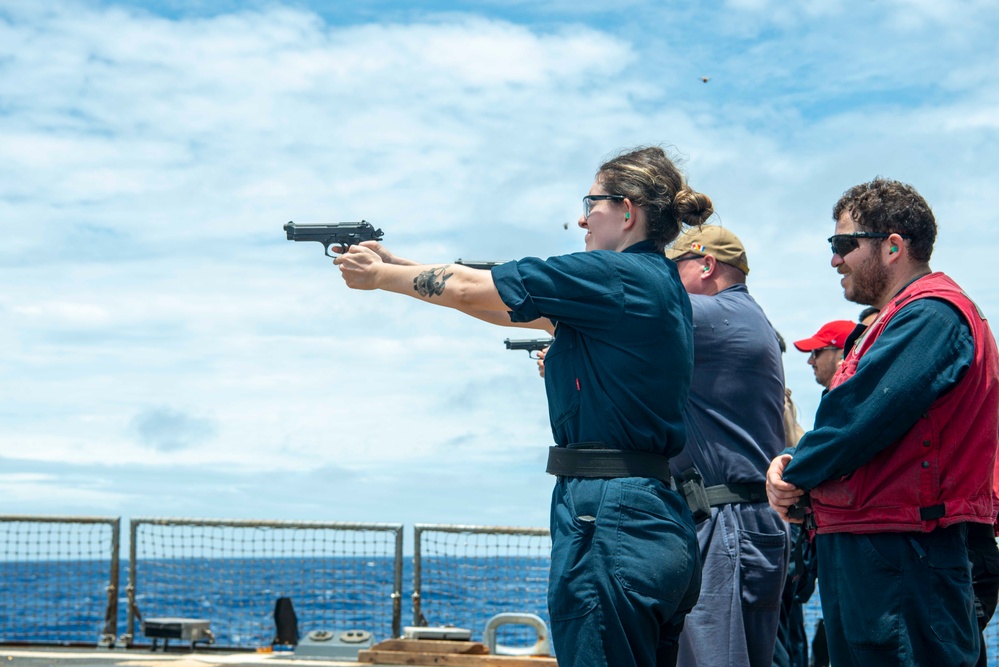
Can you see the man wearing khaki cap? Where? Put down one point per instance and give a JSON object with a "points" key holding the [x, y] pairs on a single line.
{"points": [[735, 425], [825, 349]]}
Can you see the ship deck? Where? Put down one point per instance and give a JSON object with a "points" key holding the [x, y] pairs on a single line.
{"points": [[391, 652], [47, 656]]}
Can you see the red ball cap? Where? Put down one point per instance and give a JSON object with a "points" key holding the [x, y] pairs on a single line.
{"points": [[832, 334]]}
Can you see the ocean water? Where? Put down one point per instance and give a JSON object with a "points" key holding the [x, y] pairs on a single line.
{"points": [[65, 602]]}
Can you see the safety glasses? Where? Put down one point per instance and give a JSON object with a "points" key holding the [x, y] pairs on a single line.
{"points": [[844, 244], [589, 200], [814, 354]]}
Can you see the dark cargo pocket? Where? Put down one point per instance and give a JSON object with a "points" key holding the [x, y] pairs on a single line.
{"points": [[655, 553], [761, 569]]}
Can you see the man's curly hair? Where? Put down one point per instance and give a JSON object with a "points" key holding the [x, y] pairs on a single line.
{"points": [[886, 206]]}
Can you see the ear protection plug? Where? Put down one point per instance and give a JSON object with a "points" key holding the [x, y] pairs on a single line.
{"points": [[706, 269], [627, 216], [894, 248]]}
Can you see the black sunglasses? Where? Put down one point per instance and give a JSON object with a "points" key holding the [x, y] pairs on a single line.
{"points": [[844, 244], [588, 201]]}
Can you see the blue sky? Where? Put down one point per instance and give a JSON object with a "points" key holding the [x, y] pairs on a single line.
{"points": [[166, 352]]}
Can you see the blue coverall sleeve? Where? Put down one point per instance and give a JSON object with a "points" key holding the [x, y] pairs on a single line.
{"points": [[582, 290], [922, 353]]}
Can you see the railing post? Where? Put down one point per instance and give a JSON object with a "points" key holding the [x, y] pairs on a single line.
{"points": [[111, 615], [397, 593], [133, 534], [417, 573]]}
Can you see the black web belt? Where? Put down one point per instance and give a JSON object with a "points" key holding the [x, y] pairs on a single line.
{"points": [[931, 512], [727, 494], [700, 499], [594, 460], [797, 511]]}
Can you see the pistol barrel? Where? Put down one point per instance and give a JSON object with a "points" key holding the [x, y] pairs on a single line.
{"points": [[342, 234]]}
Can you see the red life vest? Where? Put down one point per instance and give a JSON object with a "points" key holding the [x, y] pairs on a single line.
{"points": [[941, 471]]}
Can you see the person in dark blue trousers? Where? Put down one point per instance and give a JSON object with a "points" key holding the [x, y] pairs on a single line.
{"points": [[791, 649], [625, 568], [900, 462], [984, 557], [735, 426]]}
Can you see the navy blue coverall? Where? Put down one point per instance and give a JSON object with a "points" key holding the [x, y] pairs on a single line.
{"points": [[625, 568], [874, 587]]}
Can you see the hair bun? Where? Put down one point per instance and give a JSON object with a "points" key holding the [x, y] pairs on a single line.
{"points": [[691, 207]]}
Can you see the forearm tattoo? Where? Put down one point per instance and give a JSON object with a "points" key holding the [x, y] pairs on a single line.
{"points": [[431, 282]]}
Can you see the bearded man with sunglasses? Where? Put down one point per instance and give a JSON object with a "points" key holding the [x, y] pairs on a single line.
{"points": [[899, 467]]}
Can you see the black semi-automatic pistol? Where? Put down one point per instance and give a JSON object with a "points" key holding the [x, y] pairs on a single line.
{"points": [[336, 237], [478, 265], [532, 345]]}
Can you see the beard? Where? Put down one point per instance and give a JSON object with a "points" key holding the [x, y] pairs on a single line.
{"points": [[868, 282]]}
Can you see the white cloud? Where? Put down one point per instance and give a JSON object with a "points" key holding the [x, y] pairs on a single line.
{"points": [[85, 314], [46, 491], [147, 165]]}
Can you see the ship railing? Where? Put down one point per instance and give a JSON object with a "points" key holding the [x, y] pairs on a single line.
{"points": [[463, 574], [337, 574], [59, 579]]}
